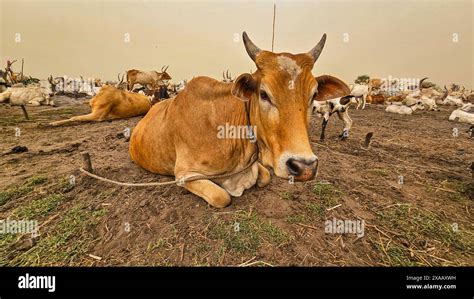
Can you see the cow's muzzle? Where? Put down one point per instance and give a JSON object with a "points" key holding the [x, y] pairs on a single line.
{"points": [[302, 170]]}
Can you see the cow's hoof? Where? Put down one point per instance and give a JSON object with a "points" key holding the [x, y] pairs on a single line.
{"points": [[344, 135], [220, 202], [263, 176]]}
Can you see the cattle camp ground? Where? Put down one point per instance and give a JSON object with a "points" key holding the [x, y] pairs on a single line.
{"points": [[412, 187], [393, 134]]}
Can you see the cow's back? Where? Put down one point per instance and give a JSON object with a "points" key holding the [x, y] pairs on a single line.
{"points": [[25, 94], [120, 103], [181, 133]]}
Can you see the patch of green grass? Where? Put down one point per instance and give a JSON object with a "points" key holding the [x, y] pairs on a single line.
{"points": [[60, 243], [418, 225], [328, 193], [65, 242], [274, 233], [14, 119], [379, 171], [201, 249], [296, 218], [17, 191], [39, 207], [37, 180], [244, 233], [396, 255], [61, 111], [316, 209], [461, 189], [453, 190], [5, 241], [64, 185], [157, 244]]}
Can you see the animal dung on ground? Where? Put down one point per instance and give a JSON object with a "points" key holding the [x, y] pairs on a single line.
{"points": [[16, 150]]}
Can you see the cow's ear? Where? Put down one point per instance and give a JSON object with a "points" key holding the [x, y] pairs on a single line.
{"points": [[330, 87], [345, 100], [244, 86]]}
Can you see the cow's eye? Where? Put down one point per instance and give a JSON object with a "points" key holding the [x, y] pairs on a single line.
{"points": [[264, 96]]}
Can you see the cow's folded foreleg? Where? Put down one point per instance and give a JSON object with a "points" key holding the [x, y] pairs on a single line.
{"points": [[263, 176], [210, 192]]}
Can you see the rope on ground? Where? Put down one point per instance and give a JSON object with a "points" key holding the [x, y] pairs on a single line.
{"points": [[179, 182]]}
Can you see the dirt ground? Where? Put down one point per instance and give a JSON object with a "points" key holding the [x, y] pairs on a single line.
{"points": [[423, 218]]}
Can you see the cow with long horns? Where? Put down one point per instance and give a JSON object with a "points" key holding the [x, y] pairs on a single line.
{"points": [[151, 79], [273, 103]]}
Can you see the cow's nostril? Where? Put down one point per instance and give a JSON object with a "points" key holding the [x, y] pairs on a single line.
{"points": [[302, 169], [293, 167]]}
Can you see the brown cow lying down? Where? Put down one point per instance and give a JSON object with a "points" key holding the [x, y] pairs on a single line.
{"points": [[112, 103], [376, 99], [181, 136]]}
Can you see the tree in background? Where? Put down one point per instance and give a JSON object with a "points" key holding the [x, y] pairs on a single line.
{"points": [[362, 79]]}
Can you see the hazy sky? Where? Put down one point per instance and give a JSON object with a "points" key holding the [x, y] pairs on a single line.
{"points": [[399, 38]]}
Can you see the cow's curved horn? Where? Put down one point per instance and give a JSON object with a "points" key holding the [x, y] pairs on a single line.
{"points": [[223, 75], [250, 47], [120, 79], [166, 68], [316, 51], [445, 88], [420, 85]]}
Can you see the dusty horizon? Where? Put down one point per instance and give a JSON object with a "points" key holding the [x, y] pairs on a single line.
{"points": [[400, 38]]}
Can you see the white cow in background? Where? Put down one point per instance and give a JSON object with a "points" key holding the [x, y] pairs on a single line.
{"points": [[33, 95], [463, 114], [360, 92], [405, 110]]}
